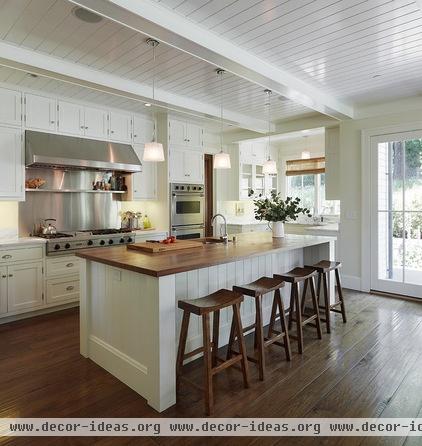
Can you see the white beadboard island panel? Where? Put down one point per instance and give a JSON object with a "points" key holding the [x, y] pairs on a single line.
{"points": [[130, 321]]}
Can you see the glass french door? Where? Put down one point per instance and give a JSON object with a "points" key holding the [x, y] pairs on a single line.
{"points": [[396, 217]]}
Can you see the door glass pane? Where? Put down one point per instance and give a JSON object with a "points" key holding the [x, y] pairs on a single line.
{"points": [[413, 247], [413, 175], [390, 246]]}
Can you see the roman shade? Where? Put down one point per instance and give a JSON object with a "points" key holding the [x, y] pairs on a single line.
{"points": [[305, 166]]}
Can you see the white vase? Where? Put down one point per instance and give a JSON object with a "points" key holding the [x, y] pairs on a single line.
{"points": [[277, 228]]}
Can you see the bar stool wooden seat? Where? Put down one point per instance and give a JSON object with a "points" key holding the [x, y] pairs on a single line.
{"points": [[294, 277], [256, 290], [203, 306], [324, 267]]}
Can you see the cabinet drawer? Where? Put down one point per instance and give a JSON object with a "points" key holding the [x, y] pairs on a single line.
{"points": [[17, 255], [62, 289], [61, 266]]}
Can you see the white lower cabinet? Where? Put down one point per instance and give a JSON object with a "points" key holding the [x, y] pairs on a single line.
{"points": [[24, 286], [3, 290], [62, 289]]}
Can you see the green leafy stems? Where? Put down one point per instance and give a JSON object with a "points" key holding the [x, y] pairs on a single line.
{"points": [[277, 209]]}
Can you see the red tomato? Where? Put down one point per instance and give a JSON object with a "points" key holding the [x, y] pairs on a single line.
{"points": [[173, 239]]}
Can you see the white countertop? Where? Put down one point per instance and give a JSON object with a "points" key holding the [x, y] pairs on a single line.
{"points": [[330, 227], [21, 242]]}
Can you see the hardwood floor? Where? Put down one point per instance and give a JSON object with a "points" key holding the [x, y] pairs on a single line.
{"points": [[369, 367]]}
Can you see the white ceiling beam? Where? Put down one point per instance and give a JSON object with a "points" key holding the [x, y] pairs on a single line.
{"points": [[161, 23], [34, 62]]}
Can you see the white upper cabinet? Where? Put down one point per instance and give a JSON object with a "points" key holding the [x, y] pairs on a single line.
{"points": [[96, 123], [11, 164], [40, 112], [71, 118], [186, 166], [10, 107], [143, 130], [144, 184], [120, 127], [253, 152], [194, 135], [183, 133], [177, 132]]}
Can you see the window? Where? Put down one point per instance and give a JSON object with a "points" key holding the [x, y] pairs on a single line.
{"points": [[311, 191]]}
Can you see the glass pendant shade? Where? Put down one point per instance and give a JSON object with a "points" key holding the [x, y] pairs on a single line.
{"points": [[222, 161], [270, 167], [153, 152], [306, 155]]}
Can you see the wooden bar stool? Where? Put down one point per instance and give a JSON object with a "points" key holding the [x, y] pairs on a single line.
{"points": [[256, 290], [203, 306], [324, 267], [294, 277]]}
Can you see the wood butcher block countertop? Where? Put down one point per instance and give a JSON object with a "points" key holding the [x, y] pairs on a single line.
{"points": [[163, 264]]}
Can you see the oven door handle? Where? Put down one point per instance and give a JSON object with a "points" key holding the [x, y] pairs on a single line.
{"points": [[184, 228], [188, 195]]}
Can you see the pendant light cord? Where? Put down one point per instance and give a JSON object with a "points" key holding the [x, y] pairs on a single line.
{"points": [[269, 123], [153, 90], [221, 72]]}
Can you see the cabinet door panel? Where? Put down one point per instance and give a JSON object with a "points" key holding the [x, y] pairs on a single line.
{"points": [[11, 163], [40, 112], [143, 130], [71, 118], [144, 183], [24, 286], [3, 290], [193, 166], [177, 165], [120, 127], [177, 132], [96, 123], [11, 107], [194, 135]]}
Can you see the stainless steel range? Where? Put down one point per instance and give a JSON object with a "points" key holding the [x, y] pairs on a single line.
{"points": [[68, 242]]}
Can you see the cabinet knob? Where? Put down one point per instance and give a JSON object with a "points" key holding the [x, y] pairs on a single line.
{"points": [[70, 288], [135, 136], [111, 131], [10, 275], [69, 265], [86, 128], [52, 122], [4, 276], [6, 256], [82, 127]]}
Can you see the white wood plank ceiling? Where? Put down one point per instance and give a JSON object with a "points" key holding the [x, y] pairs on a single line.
{"points": [[49, 27], [360, 51]]}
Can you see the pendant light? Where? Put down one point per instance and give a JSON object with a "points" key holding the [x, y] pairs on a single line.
{"points": [[153, 150], [221, 159], [270, 166]]}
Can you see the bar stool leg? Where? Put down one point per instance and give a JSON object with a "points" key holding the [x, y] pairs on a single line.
{"points": [[215, 334], [305, 289], [241, 341], [273, 314], [316, 309], [283, 322], [182, 343], [231, 341], [340, 295], [259, 330], [292, 305], [326, 303], [298, 315], [209, 397], [319, 287]]}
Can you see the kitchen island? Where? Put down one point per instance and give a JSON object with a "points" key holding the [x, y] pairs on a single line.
{"points": [[129, 322]]}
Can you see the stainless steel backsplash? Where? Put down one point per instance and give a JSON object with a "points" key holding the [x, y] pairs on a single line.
{"points": [[72, 210]]}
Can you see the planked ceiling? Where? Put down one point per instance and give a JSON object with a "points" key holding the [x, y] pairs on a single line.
{"points": [[49, 27], [359, 51]]}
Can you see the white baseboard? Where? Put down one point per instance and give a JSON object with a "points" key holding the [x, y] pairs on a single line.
{"points": [[351, 282]]}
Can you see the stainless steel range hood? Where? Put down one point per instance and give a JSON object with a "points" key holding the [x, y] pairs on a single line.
{"points": [[68, 152]]}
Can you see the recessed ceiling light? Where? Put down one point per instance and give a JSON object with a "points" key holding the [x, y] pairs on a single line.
{"points": [[147, 104], [85, 15]]}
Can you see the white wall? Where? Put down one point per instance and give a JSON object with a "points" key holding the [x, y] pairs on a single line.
{"points": [[8, 218]]}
